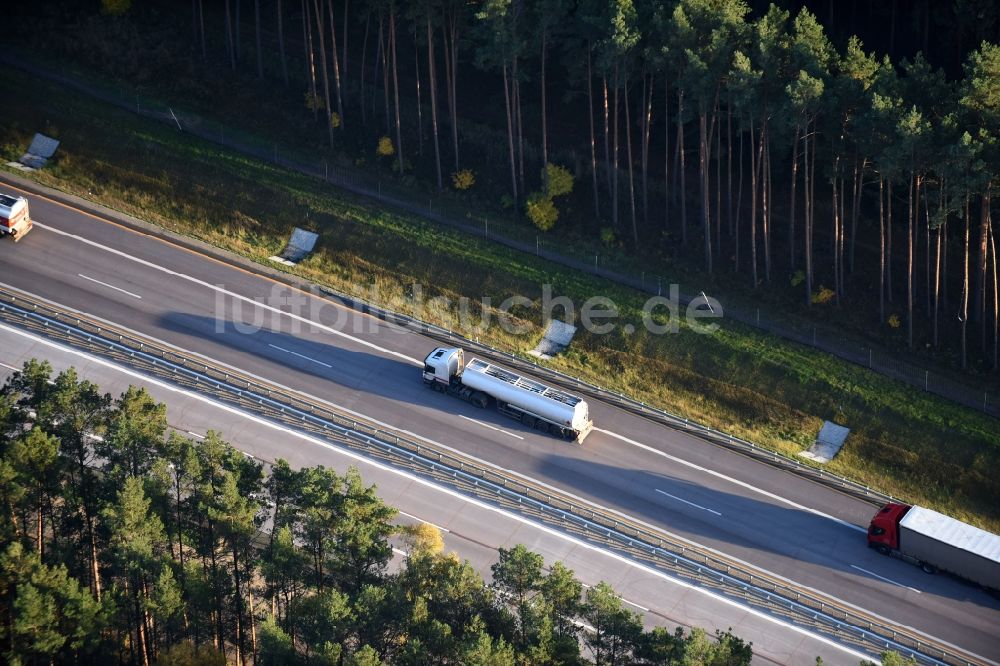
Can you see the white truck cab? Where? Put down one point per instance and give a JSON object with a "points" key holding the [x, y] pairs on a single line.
{"points": [[442, 364]]}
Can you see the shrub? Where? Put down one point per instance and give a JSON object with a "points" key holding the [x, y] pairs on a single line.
{"points": [[824, 295], [335, 120], [385, 147], [558, 180], [893, 321], [313, 101], [463, 180], [541, 211]]}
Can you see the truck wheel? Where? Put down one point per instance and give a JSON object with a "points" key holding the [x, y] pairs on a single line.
{"points": [[568, 434], [529, 421], [480, 400], [928, 568], [554, 430], [541, 426], [882, 549]]}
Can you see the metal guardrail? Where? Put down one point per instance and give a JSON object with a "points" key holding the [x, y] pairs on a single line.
{"points": [[639, 541], [663, 417]]}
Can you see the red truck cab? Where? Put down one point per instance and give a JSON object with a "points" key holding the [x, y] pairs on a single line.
{"points": [[883, 533]]}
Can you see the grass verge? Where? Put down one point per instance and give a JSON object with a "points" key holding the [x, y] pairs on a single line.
{"points": [[765, 389]]}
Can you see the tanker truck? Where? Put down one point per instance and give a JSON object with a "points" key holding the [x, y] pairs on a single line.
{"points": [[482, 383], [934, 541], [14, 218]]}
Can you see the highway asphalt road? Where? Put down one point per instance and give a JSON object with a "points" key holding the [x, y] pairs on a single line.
{"points": [[469, 528], [774, 520]]}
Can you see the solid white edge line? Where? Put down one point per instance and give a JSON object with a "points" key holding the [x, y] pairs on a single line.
{"points": [[487, 425], [295, 353], [109, 286], [476, 459], [410, 515], [452, 493], [888, 580], [730, 479], [630, 603], [679, 499], [226, 292], [11, 367], [417, 362]]}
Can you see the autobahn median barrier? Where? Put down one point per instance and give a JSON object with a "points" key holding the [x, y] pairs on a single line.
{"points": [[646, 545]]}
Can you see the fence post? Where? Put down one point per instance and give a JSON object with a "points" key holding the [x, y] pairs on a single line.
{"points": [[595, 262], [814, 336], [869, 358], [927, 375], [326, 171]]}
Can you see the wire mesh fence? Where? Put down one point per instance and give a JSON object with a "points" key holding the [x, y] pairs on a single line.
{"points": [[455, 214]]}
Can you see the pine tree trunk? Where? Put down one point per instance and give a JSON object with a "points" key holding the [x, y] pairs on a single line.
{"points": [[230, 49], [343, 34], [754, 160], [420, 111], [237, 32], [310, 62], [965, 286], [937, 284], [432, 75], [836, 227], [979, 301], [631, 179], [253, 621], [361, 72], [888, 240], [881, 250], [996, 300], [739, 204], [909, 263], [682, 169], [510, 136], [593, 148], [647, 113], [326, 78], [614, 155], [281, 43], [765, 217], [260, 54], [607, 133], [791, 203], [718, 181], [238, 610], [336, 63], [666, 153], [201, 30], [807, 222], [395, 84], [730, 223], [452, 54], [703, 183], [858, 194], [545, 136]]}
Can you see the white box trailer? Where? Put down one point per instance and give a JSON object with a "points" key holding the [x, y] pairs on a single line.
{"points": [[936, 541], [530, 402]]}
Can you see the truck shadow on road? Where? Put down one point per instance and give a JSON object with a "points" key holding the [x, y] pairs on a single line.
{"points": [[376, 383]]}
